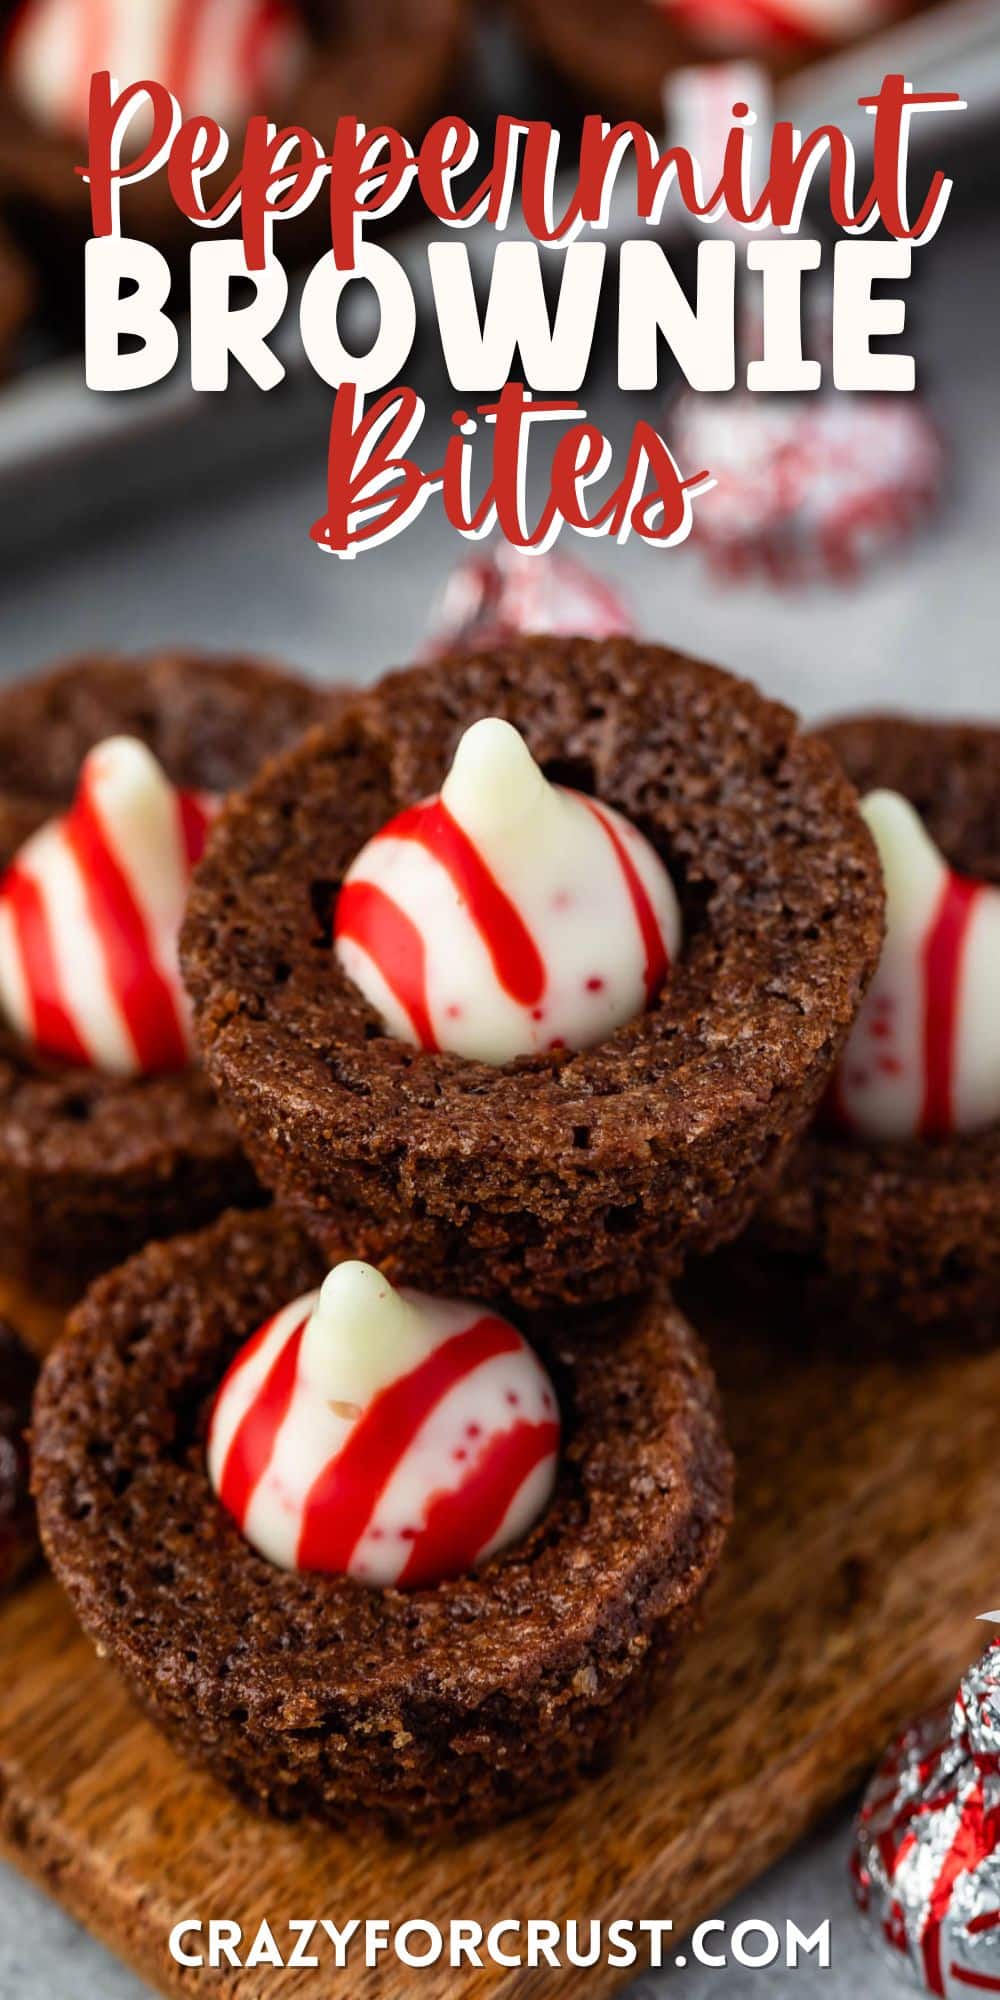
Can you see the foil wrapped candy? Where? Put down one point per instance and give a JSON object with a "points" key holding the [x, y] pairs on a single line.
{"points": [[926, 1860], [505, 591], [809, 487]]}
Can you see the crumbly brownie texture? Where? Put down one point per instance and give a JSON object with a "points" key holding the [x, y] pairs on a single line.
{"points": [[90, 1164], [619, 63], [567, 1177], [18, 1528], [313, 1695], [384, 62], [903, 1235]]}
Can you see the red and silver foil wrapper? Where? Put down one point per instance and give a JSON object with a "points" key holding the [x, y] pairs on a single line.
{"points": [[698, 109], [807, 487], [926, 1862], [505, 592]]}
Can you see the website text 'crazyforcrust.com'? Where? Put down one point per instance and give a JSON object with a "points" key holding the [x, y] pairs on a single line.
{"points": [[511, 1941]]}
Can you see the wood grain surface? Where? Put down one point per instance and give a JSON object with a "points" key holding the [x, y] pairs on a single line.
{"points": [[865, 1544]]}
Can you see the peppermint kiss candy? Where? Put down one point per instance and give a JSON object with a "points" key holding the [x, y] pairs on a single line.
{"points": [[808, 486], [735, 24], [220, 57], [507, 916], [926, 1860], [90, 912], [923, 1058], [383, 1435], [505, 592]]}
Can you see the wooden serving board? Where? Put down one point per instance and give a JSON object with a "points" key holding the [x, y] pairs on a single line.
{"points": [[865, 1544]]}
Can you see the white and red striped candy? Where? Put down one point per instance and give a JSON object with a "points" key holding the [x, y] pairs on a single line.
{"points": [[224, 58], [507, 916], [808, 486], [496, 596], [923, 1057], [90, 913], [384, 1435], [740, 24]]}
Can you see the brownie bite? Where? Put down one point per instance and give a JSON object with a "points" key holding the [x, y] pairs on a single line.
{"points": [[565, 1176], [382, 62], [444, 1706], [901, 1234], [93, 1163]]}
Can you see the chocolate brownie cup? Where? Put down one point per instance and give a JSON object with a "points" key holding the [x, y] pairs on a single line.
{"points": [[18, 1527], [316, 1695], [384, 62], [901, 1235], [566, 1176], [91, 1163], [620, 63]]}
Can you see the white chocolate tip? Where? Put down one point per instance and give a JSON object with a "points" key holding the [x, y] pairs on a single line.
{"points": [[360, 1325], [494, 780], [355, 1291], [124, 768], [906, 850]]}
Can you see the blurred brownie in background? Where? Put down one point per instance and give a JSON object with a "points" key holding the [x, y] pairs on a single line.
{"points": [[302, 62], [17, 291]]}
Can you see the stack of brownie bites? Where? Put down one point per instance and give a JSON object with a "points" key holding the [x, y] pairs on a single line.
{"points": [[518, 978], [110, 774], [889, 1217]]}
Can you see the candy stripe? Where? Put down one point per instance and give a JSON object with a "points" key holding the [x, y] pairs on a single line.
{"points": [[196, 814], [52, 1024], [216, 56], [923, 1056], [460, 1524], [245, 1378], [516, 959], [493, 597], [261, 30], [805, 23], [371, 920], [774, 21], [928, 1839], [891, 1855], [942, 965], [657, 960], [253, 1441], [964, 1853], [343, 1499], [546, 920], [81, 974], [179, 67], [91, 908], [148, 1004]]}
